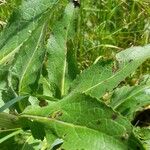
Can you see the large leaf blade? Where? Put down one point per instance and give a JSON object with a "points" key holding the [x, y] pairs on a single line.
{"points": [[81, 118], [24, 20], [109, 75], [28, 62], [57, 50]]}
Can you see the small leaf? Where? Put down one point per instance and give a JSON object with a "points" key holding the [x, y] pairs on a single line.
{"points": [[10, 135], [37, 130], [144, 135], [28, 62], [32, 144], [8, 121]]}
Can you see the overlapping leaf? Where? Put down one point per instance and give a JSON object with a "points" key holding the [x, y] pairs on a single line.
{"points": [[28, 62], [6, 93], [129, 100], [83, 122], [57, 50], [101, 77], [144, 135], [8, 121], [24, 20]]}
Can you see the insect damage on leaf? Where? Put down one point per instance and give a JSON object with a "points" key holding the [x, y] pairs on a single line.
{"points": [[56, 114], [115, 67], [114, 116], [43, 103]]}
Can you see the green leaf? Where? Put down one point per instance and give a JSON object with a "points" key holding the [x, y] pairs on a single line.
{"points": [[105, 76], [12, 102], [37, 130], [129, 100], [3, 84], [10, 135], [83, 122], [23, 21], [32, 144], [57, 50], [98, 73], [8, 121], [29, 61], [144, 136]]}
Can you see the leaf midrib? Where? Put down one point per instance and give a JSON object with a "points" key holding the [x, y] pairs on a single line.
{"points": [[140, 90], [11, 53], [113, 76], [65, 63], [27, 66], [42, 119]]}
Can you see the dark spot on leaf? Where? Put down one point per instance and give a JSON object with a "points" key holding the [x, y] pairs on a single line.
{"points": [[122, 138], [142, 119], [65, 28], [43, 103], [138, 103], [115, 67], [76, 3], [125, 112], [98, 122], [130, 60], [105, 81], [56, 114], [2, 128], [114, 116]]}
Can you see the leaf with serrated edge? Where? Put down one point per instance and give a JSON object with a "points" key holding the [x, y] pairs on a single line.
{"points": [[28, 62], [22, 23], [97, 83], [129, 100], [83, 120]]}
